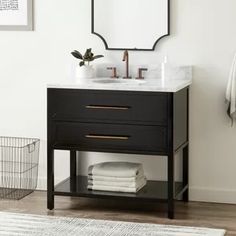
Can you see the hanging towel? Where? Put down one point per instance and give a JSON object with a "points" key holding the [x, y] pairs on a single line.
{"points": [[116, 169], [118, 188], [231, 92]]}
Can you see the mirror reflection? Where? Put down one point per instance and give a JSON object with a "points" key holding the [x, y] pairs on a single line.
{"points": [[130, 24]]}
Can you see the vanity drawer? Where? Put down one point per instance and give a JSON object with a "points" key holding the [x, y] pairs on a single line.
{"points": [[110, 137], [115, 106]]}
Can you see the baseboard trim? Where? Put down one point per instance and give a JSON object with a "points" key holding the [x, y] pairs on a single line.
{"points": [[197, 194], [42, 183], [200, 194]]}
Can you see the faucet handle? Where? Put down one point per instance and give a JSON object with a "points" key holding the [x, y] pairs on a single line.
{"points": [[140, 73], [114, 72]]}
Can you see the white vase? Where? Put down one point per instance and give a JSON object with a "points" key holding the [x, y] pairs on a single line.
{"points": [[84, 72]]}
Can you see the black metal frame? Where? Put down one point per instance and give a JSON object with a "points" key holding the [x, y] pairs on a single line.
{"points": [[172, 194], [130, 49]]}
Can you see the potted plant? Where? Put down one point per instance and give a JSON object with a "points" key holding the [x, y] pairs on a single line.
{"points": [[85, 69]]}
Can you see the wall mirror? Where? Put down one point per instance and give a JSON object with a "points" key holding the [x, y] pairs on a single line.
{"points": [[130, 24]]}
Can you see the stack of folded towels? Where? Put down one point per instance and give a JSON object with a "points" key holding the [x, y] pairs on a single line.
{"points": [[116, 177]]}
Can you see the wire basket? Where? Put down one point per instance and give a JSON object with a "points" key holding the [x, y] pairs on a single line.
{"points": [[18, 166]]}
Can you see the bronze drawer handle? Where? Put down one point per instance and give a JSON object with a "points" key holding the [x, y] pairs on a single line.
{"points": [[103, 107], [114, 137]]}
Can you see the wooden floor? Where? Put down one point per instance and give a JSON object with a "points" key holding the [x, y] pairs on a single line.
{"points": [[191, 214]]}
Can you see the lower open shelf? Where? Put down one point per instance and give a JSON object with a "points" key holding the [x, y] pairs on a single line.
{"points": [[153, 191]]}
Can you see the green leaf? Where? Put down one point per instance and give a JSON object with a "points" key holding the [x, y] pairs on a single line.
{"points": [[81, 63], [89, 50], [98, 56], [88, 55], [77, 54]]}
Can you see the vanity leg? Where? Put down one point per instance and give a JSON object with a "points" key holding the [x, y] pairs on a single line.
{"points": [[73, 164], [73, 172], [186, 172], [171, 184], [50, 179]]}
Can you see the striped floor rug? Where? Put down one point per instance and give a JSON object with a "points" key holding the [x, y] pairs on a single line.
{"points": [[21, 225]]}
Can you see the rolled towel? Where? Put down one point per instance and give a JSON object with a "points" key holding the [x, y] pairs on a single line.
{"points": [[116, 169], [118, 189], [135, 184], [115, 179]]}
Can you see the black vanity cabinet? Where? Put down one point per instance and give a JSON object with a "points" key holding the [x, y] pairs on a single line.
{"points": [[150, 123]]}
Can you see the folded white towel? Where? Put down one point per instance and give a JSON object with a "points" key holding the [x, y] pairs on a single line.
{"points": [[231, 91], [116, 169], [134, 184], [117, 189], [115, 179]]}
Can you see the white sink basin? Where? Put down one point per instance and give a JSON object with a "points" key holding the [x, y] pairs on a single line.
{"points": [[118, 81]]}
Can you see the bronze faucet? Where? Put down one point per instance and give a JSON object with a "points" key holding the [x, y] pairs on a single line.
{"points": [[126, 59], [114, 72], [140, 73]]}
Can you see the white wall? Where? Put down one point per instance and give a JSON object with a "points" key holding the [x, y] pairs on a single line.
{"points": [[202, 35]]}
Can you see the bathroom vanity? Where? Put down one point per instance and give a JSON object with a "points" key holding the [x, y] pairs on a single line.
{"points": [[149, 118]]}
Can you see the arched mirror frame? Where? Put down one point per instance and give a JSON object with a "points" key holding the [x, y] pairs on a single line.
{"points": [[132, 49]]}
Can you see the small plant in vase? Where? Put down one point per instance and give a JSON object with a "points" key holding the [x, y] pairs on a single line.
{"points": [[85, 69]]}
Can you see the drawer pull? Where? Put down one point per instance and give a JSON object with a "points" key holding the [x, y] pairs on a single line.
{"points": [[102, 107], [113, 137]]}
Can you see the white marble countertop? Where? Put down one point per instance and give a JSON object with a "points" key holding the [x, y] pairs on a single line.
{"points": [[149, 85]]}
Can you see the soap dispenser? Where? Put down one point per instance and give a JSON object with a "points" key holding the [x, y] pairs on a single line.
{"points": [[165, 69]]}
